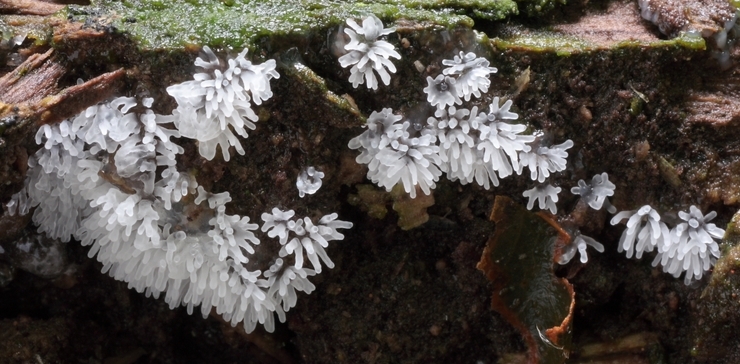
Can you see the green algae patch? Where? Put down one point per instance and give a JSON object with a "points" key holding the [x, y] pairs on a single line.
{"points": [[518, 260], [535, 8], [235, 24], [688, 41], [545, 41], [541, 42]]}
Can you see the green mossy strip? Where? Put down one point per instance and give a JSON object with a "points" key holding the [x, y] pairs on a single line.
{"points": [[158, 24], [565, 45], [336, 110]]}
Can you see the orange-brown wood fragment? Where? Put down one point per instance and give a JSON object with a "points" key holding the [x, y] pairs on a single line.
{"points": [[556, 332], [563, 236], [75, 31], [28, 7], [72, 100], [30, 93], [500, 279], [32, 80], [493, 274]]}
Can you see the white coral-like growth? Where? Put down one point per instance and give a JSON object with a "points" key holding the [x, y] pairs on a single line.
{"points": [[368, 54], [456, 142], [472, 74], [285, 281], [75, 156], [542, 160], [379, 125], [479, 147], [595, 193], [306, 235], [645, 228], [309, 181], [398, 152], [502, 142], [255, 77], [466, 145], [441, 92], [217, 102], [545, 194], [409, 158], [458, 133], [109, 179], [578, 244], [296, 237], [278, 224], [693, 247]]}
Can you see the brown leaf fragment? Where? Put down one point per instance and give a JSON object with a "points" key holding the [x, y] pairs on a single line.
{"points": [[28, 7], [518, 259]]}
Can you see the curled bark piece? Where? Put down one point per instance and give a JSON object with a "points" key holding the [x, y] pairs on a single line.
{"points": [[69, 32], [518, 259], [32, 80], [30, 93]]}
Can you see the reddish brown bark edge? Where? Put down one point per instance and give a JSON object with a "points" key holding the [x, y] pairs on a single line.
{"points": [[28, 7]]}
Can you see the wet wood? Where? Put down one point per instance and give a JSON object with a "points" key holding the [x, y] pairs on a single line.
{"points": [[30, 93], [28, 7]]}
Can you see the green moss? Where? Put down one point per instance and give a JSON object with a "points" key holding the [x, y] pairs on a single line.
{"points": [[732, 233], [689, 41], [157, 24], [538, 7], [564, 45], [636, 105], [542, 42]]}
